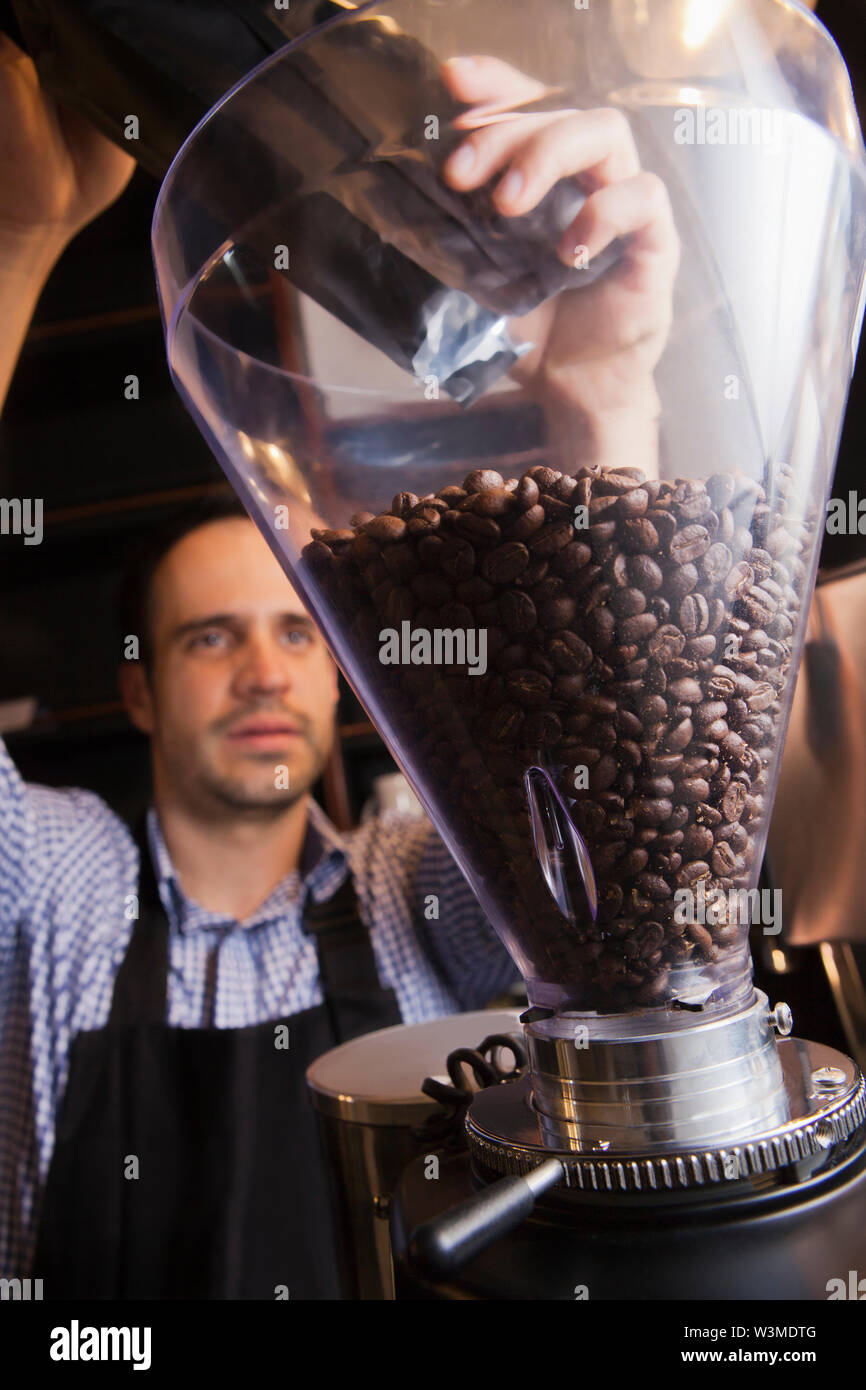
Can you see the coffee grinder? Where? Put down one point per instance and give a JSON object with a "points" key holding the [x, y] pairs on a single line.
{"points": [[577, 627]]}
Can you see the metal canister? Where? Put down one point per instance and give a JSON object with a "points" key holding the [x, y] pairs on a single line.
{"points": [[368, 1097]]}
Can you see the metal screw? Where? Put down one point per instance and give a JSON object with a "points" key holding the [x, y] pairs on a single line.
{"points": [[828, 1081], [382, 1207], [782, 1019]]}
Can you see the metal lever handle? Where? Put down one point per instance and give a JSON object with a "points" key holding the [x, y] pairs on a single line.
{"points": [[445, 1243]]}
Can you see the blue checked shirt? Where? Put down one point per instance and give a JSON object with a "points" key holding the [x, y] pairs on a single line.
{"points": [[68, 879]]}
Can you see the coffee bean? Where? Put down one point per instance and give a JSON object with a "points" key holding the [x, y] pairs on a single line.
{"points": [[482, 478], [526, 493], [638, 628], [689, 544], [385, 528], [570, 653], [739, 580], [645, 573], [528, 687], [480, 529], [557, 612], [571, 558], [503, 564], [550, 539], [505, 723], [657, 786], [687, 690], [651, 811], [666, 643], [734, 801], [626, 603], [697, 841], [680, 736], [527, 524], [692, 790], [493, 502], [633, 503], [761, 697], [693, 614], [717, 562], [664, 764], [639, 536], [709, 711], [518, 612], [543, 476], [701, 648]]}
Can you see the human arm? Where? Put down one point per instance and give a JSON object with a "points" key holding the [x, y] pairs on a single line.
{"points": [[56, 174]]}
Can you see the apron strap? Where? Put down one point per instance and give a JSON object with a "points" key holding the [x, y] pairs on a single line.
{"points": [[354, 997], [142, 980]]}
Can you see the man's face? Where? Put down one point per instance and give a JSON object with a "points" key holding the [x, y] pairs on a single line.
{"points": [[241, 684]]}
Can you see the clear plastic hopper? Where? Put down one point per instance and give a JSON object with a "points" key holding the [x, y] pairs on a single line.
{"points": [[558, 514]]}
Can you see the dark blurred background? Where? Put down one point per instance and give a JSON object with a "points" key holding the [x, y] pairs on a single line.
{"points": [[108, 467]]}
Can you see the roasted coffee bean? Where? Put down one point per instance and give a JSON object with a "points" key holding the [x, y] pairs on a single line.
{"points": [[493, 502], [527, 524], [716, 563], [693, 614], [403, 503], [722, 683], [505, 723], [637, 628], [518, 612], [568, 687], [600, 626], [480, 529], [555, 509], [634, 502], [645, 573], [557, 612], [639, 536], [666, 643], [482, 478], [570, 653], [550, 539], [626, 603], [689, 544], [385, 528], [474, 591], [707, 712], [680, 736], [542, 475], [697, 841], [734, 801], [686, 689], [664, 764], [571, 558], [739, 580], [651, 811], [657, 786], [701, 648], [526, 493], [692, 790], [528, 687]]}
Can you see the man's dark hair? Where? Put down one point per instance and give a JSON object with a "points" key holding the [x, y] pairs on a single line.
{"points": [[149, 550]]}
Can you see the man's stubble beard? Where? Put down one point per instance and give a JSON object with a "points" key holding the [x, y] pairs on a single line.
{"points": [[215, 795]]}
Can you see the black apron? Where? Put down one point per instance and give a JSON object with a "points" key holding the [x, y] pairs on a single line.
{"points": [[231, 1194]]}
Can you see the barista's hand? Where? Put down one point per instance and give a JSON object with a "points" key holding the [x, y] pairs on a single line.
{"points": [[56, 171], [598, 346]]}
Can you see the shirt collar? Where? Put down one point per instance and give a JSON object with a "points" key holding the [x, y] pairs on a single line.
{"points": [[322, 867]]}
